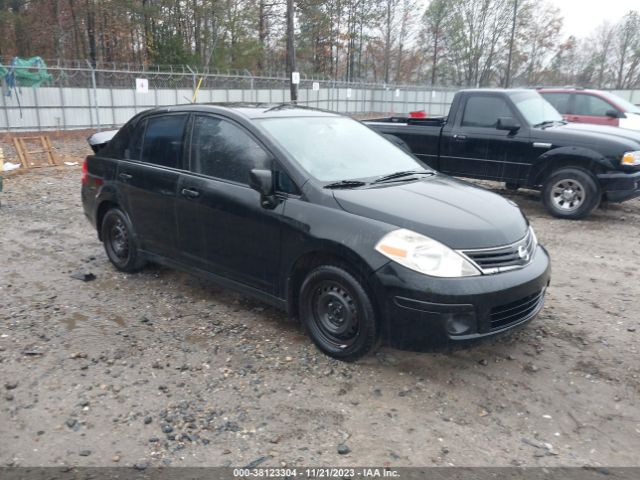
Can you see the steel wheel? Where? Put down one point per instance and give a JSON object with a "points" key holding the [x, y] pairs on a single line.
{"points": [[568, 195], [335, 314], [120, 241]]}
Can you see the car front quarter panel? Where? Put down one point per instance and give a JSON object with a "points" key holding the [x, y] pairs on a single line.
{"points": [[568, 157], [334, 236], [332, 229]]}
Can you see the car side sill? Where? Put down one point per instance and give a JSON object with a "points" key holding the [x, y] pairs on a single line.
{"points": [[219, 280]]}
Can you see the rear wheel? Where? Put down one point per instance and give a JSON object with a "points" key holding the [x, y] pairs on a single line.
{"points": [[570, 193], [338, 313], [119, 241]]}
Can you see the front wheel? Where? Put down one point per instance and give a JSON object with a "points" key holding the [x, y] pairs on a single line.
{"points": [[119, 241], [570, 193], [338, 313]]}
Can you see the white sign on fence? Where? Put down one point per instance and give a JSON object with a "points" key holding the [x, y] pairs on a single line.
{"points": [[348, 93], [315, 86], [397, 92], [295, 78], [142, 85]]}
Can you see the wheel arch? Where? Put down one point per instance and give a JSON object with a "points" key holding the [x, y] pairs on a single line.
{"points": [[329, 254], [101, 211], [584, 159]]}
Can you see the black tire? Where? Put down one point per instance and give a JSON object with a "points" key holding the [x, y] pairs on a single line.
{"points": [[571, 193], [120, 242], [338, 313]]}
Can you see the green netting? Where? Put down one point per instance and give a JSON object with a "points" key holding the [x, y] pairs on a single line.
{"points": [[25, 72]]}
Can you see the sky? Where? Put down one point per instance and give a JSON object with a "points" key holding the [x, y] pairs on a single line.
{"points": [[581, 17]]}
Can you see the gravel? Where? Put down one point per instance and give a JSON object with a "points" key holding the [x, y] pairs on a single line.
{"points": [[162, 368]]}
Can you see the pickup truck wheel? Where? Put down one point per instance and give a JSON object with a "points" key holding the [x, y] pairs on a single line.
{"points": [[338, 313], [119, 241], [570, 193]]}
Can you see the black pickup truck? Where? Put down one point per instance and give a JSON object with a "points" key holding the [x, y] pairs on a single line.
{"points": [[517, 137]]}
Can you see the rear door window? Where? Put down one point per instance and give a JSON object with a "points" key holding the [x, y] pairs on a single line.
{"points": [[118, 144], [559, 101], [163, 139], [222, 149], [591, 105], [484, 112], [134, 146]]}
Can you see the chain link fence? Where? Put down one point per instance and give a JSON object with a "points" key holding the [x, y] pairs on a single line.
{"points": [[82, 96], [79, 96]]}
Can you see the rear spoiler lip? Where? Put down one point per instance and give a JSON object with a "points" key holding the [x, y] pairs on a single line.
{"points": [[99, 140]]}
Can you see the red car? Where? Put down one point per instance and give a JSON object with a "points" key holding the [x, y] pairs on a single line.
{"points": [[593, 106]]}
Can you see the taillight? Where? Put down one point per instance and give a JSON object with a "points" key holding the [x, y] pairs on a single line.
{"points": [[84, 178]]}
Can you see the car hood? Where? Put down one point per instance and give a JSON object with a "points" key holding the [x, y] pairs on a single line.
{"points": [[632, 121], [584, 134], [453, 212]]}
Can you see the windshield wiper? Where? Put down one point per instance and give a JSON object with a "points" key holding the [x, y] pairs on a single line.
{"points": [[545, 123], [406, 173], [346, 184]]}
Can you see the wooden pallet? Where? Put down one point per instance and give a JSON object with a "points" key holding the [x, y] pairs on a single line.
{"points": [[24, 154]]}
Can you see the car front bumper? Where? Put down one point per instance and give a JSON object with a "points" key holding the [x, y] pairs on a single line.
{"points": [[423, 312], [619, 186]]}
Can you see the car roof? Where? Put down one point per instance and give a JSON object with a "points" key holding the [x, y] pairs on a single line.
{"points": [[498, 90], [569, 90], [250, 110]]}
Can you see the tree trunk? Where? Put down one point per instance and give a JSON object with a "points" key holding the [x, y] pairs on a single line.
{"points": [[262, 35], [387, 44], [91, 33], [291, 53]]}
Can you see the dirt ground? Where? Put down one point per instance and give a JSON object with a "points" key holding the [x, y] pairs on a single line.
{"points": [[162, 368]]}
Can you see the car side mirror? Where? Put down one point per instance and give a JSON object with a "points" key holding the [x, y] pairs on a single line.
{"points": [[262, 182], [612, 113], [508, 123]]}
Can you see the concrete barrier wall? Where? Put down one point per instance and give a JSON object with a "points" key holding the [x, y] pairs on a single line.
{"points": [[61, 108]]}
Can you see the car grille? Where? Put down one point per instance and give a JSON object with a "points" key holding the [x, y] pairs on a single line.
{"points": [[515, 312], [508, 257]]}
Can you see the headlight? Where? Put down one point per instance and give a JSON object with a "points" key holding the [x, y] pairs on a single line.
{"points": [[424, 255], [631, 159]]}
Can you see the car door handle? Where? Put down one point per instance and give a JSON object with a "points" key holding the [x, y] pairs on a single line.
{"points": [[459, 138], [190, 193], [125, 176]]}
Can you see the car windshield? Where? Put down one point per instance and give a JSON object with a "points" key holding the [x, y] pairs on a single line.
{"points": [[337, 148], [535, 109], [621, 102]]}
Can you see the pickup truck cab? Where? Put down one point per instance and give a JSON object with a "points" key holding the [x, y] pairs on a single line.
{"points": [[517, 137]]}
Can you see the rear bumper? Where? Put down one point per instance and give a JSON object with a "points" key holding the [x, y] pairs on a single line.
{"points": [[87, 196], [423, 312], [619, 186]]}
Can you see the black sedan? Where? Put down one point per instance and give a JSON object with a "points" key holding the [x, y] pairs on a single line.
{"points": [[317, 214]]}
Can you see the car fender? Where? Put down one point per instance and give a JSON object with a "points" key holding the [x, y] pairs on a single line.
{"points": [[585, 158], [106, 195], [336, 235]]}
